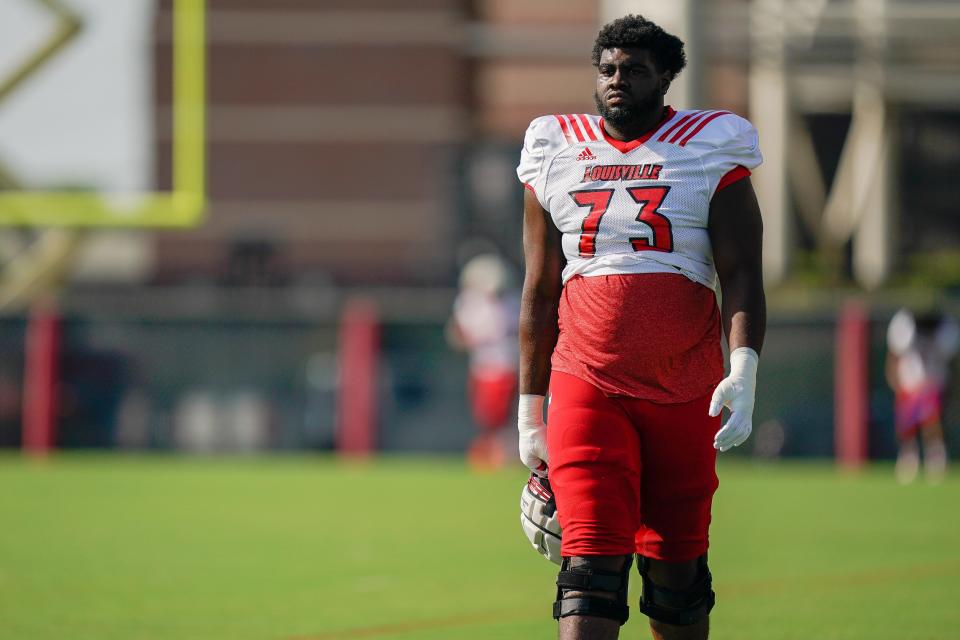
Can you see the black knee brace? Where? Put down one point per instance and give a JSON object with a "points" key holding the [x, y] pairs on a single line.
{"points": [[587, 577], [684, 607]]}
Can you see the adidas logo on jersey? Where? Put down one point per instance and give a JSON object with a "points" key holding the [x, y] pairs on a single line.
{"points": [[586, 154]]}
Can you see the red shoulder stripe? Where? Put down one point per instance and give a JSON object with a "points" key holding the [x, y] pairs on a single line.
{"points": [[702, 124], [564, 128], [576, 128], [586, 126], [676, 124], [682, 130]]}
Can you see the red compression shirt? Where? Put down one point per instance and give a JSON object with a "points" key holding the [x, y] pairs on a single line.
{"points": [[654, 336]]}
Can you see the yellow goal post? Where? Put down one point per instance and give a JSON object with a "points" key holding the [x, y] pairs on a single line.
{"points": [[184, 205]]}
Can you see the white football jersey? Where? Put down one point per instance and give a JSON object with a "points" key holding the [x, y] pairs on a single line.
{"points": [[640, 206]]}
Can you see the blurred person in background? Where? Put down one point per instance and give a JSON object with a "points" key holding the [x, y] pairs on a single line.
{"points": [[630, 217], [920, 349], [484, 324]]}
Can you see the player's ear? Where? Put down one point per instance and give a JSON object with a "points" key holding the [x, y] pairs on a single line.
{"points": [[664, 83]]}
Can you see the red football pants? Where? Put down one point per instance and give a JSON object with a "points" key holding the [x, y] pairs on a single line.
{"points": [[630, 476], [493, 397]]}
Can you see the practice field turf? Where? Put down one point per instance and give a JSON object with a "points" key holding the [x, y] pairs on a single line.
{"points": [[309, 548]]}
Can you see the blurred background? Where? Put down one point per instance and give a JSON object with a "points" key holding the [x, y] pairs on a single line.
{"points": [[341, 161], [293, 226]]}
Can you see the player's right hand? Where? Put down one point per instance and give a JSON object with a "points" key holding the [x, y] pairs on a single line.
{"points": [[533, 433]]}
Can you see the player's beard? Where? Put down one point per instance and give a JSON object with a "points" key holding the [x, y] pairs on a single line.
{"points": [[626, 114]]}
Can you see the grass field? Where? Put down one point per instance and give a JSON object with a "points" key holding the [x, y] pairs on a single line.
{"points": [[309, 548]]}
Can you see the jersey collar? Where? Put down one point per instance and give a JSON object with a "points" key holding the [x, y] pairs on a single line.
{"points": [[624, 146]]}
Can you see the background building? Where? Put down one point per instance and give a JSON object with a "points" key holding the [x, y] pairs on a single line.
{"points": [[366, 149]]}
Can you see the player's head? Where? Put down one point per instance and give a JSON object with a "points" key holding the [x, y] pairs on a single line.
{"points": [[486, 273], [636, 61]]}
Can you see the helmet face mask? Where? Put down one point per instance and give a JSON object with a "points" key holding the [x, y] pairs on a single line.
{"points": [[538, 517]]}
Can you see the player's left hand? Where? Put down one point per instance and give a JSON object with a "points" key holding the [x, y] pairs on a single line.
{"points": [[533, 433], [736, 392]]}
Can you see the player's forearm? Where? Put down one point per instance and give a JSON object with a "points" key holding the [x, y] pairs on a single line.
{"points": [[538, 337], [744, 309]]}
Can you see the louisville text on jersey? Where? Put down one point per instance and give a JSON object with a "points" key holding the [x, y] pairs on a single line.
{"points": [[622, 172]]}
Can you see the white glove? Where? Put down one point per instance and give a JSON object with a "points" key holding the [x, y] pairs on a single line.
{"points": [[736, 392], [533, 433]]}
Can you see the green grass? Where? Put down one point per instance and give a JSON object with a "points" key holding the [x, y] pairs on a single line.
{"points": [[156, 547]]}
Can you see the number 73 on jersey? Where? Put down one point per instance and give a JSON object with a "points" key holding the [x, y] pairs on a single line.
{"points": [[650, 200]]}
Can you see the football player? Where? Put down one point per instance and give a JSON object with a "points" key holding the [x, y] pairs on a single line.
{"points": [[632, 218], [484, 324], [920, 349]]}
